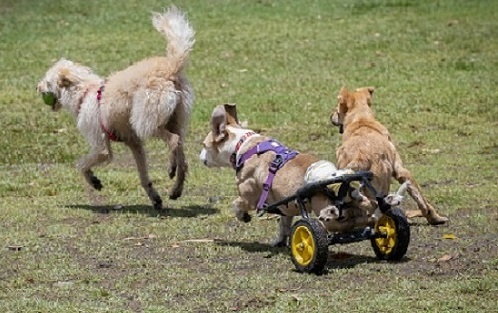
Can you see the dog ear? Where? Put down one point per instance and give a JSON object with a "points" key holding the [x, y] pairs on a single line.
{"points": [[66, 79], [219, 123], [343, 100], [343, 93], [365, 93], [370, 91], [231, 113]]}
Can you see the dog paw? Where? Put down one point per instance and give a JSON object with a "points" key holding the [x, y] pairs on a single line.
{"points": [[158, 203], [246, 218], [95, 182], [175, 194], [437, 220]]}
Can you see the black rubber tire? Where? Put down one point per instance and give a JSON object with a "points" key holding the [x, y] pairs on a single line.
{"points": [[309, 246], [393, 248]]}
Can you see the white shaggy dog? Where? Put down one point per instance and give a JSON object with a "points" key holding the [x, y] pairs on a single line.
{"points": [[151, 98]]}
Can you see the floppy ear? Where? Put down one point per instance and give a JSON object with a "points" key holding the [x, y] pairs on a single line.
{"points": [[66, 79], [231, 113], [219, 123]]}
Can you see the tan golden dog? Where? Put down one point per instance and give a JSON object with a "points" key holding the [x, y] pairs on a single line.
{"points": [[229, 142], [367, 145], [151, 98]]}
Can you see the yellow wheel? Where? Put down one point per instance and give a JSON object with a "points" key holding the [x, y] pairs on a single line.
{"points": [[393, 233], [309, 246]]}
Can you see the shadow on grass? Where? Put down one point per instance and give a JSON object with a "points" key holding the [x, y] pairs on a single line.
{"points": [[343, 260], [335, 261], [186, 211], [255, 247]]}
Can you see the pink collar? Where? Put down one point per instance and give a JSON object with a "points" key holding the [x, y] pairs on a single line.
{"points": [[233, 157]]}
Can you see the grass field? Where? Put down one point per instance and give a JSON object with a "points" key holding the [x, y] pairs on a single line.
{"points": [[434, 65]]}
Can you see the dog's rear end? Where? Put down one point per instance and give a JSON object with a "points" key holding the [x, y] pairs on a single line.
{"points": [[367, 145], [156, 98]]}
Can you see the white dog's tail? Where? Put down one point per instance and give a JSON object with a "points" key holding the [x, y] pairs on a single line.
{"points": [[174, 26]]}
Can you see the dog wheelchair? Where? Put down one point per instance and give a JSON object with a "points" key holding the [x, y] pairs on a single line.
{"points": [[309, 238]]}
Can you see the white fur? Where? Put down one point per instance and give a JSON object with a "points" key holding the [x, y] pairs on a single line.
{"points": [[219, 156], [151, 98]]}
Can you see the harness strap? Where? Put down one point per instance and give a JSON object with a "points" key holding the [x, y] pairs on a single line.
{"points": [[111, 135], [283, 154]]}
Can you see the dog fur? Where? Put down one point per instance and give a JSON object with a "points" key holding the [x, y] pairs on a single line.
{"points": [[220, 144], [367, 145], [329, 215], [151, 98]]}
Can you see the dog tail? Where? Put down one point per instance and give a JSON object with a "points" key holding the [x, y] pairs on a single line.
{"points": [[174, 26]]}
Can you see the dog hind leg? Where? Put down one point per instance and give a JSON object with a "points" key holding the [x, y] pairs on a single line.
{"points": [[401, 174], [177, 163], [138, 152]]}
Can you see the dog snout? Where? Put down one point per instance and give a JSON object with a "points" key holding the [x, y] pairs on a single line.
{"points": [[246, 218]]}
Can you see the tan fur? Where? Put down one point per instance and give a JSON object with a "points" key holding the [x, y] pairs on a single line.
{"points": [[367, 145], [151, 98], [220, 144]]}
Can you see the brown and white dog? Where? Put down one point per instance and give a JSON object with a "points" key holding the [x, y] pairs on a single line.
{"points": [[229, 142], [367, 145], [151, 98]]}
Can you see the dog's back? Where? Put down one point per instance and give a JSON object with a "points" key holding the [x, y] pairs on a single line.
{"points": [[148, 93], [366, 143]]}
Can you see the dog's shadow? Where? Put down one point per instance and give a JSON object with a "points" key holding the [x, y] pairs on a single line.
{"points": [[335, 260], [255, 247], [184, 212], [344, 261]]}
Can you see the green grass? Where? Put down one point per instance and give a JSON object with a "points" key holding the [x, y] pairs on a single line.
{"points": [[433, 64]]}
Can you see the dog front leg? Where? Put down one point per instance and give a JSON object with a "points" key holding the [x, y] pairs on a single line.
{"points": [[241, 209], [284, 230], [97, 155], [177, 164], [139, 154]]}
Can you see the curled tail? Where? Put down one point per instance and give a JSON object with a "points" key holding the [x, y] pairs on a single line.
{"points": [[174, 26]]}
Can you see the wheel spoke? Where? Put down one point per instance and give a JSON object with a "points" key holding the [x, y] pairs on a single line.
{"points": [[309, 251]]}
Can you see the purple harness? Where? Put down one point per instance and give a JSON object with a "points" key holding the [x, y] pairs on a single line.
{"points": [[283, 154]]}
